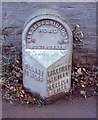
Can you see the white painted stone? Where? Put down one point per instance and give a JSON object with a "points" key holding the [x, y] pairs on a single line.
{"points": [[47, 53]]}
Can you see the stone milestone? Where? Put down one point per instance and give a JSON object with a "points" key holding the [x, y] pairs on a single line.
{"points": [[47, 53]]}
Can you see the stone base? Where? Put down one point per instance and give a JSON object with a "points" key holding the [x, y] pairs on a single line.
{"points": [[56, 97], [48, 100]]}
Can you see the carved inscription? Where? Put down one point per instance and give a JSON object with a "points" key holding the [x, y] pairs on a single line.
{"points": [[46, 30], [58, 79], [47, 53], [47, 34], [34, 73]]}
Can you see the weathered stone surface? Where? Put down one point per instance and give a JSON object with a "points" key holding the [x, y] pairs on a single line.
{"points": [[84, 14], [47, 53]]}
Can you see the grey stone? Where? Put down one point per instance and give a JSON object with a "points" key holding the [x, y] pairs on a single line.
{"points": [[83, 14], [47, 53]]}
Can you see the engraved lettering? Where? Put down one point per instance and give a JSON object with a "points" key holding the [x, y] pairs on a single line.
{"points": [[34, 72], [31, 29], [39, 23], [35, 26], [29, 40], [29, 36], [45, 30], [47, 22], [30, 32], [60, 27], [40, 28], [57, 25]]}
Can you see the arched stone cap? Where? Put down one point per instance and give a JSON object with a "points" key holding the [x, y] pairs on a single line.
{"points": [[43, 14], [52, 12]]}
